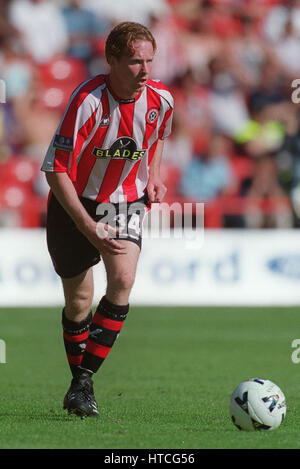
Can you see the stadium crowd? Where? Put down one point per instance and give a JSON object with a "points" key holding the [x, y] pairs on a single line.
{"points": [[232, 66]]}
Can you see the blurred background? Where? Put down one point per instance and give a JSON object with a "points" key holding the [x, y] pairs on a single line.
{"points": [[230, 65]]}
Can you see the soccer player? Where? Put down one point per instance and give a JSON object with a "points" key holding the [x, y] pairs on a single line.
{"points": [[103, 169]]}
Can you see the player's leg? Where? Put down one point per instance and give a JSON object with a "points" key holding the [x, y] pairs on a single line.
{"points": [[77, 315], [76, 318], [104, 329], [120, 272], [78, 293], [113, 308], [72, 256]]}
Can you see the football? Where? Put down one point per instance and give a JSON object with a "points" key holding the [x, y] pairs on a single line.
{"points": [[257, 404]]}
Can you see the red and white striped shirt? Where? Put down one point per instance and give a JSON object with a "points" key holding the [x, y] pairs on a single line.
{"points": [[106, 144]]}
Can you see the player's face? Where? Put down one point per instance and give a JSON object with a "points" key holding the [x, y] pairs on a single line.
{"points": [[132, 72]]}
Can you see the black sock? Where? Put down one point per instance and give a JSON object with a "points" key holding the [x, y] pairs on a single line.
{"points": [[75, 337], [104, 329]]}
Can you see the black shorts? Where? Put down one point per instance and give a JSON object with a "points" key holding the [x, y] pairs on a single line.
{"points": [[70, 251]]}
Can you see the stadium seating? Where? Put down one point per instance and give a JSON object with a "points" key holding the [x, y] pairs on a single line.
{"points": [[20, 207], [57, 80]]}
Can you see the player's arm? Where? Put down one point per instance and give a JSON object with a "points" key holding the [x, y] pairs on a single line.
{"points": [[156, 189], [97, 233]]}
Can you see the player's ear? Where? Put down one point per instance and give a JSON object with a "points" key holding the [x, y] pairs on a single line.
{"points": [[111, 60]]}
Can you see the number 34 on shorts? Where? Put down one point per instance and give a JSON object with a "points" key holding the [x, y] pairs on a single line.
{"points": [[129, 226], [126, 218]]}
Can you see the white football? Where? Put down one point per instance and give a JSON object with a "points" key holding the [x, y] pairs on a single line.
{"points": [[257, 404]]}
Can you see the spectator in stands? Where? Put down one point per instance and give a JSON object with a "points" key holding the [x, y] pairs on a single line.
{"points": [[268, 205], [116, 11], [17, 73], [41, 24], [179, 147], [287, 49], [228, 64], [228, 104], [6, 29], [193, 111], [274, 22], [85, 29], [224, 22], [288, 156], [249, 54], [28, 125], [210, 175], [200, 44], [264, 131], [170, 59]]}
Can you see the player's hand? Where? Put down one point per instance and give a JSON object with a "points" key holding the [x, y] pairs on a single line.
{"points": [[102, 236], [156, 191], [109, 244]]}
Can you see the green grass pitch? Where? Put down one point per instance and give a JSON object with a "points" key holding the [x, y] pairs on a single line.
{"points": [[165, 385]]}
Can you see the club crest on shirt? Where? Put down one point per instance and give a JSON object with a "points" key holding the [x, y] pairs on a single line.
{"points": [[122, 148], [152, 115]]}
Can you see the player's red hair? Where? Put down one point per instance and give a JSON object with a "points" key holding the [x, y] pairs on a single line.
{"points": [[121, 38]]}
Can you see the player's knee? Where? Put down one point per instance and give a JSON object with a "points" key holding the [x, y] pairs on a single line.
{"points": [[78, 304], [123, 281]]}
